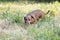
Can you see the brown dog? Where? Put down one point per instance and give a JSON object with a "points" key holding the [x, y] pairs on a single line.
{"points": [[34, 16]]}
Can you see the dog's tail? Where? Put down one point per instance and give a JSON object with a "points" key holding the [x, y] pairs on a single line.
{"points": [[48, 12]]}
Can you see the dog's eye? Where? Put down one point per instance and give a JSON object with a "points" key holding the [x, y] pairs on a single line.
{"points": [[29, 19]]}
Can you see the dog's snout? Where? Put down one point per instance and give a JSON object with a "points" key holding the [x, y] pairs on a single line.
{"points": [[27, 22]]}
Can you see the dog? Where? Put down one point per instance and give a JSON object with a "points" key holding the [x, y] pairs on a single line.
{"points": [[34, 16]]}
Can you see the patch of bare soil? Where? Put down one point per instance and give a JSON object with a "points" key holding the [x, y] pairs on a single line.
{"points": [[6, 27]]}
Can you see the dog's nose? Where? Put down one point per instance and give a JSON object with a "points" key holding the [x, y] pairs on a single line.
{"points": [[28, 22]]}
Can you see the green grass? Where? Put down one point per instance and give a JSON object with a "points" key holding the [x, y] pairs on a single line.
{"points": [[15, 29]]}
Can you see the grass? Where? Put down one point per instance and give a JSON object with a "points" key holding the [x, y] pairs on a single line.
{"points": [[12, 25]]}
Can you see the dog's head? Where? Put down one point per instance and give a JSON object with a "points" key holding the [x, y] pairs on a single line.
{"points": [[29, 19]]}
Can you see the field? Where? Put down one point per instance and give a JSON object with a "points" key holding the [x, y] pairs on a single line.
{"points": [[12, 26]]}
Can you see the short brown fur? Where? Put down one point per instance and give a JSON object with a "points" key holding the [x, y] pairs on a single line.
{"points": [[34, 16]]}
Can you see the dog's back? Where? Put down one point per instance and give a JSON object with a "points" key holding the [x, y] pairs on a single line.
{"points": [[37, 13]]}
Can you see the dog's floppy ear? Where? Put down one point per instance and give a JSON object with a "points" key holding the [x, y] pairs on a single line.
{"points": [[32, 17], [24, 18]]}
